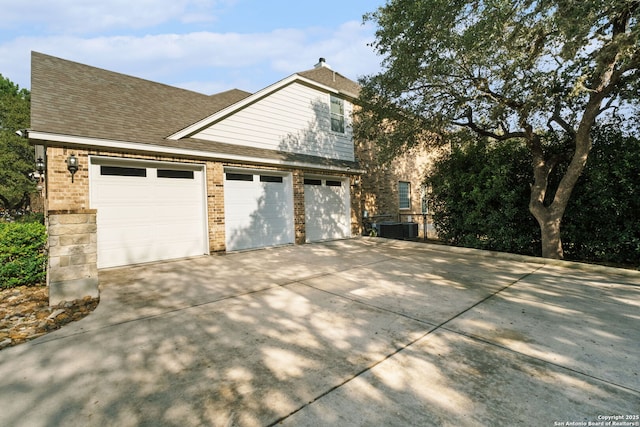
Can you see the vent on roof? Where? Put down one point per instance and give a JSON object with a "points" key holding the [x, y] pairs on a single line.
{"points": [[322, 63]]}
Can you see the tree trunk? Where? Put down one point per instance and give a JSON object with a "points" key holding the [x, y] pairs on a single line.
{"points": [[549, 221]]}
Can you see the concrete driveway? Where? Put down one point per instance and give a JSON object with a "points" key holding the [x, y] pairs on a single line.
{"points": [[366, 332]]}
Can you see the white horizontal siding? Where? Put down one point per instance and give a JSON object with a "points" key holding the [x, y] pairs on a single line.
{"points": [[294, 119]]}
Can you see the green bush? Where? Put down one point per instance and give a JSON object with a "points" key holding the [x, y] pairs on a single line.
{"points": [[602, 220], [31, 217], [22, 254], [481, 197]]}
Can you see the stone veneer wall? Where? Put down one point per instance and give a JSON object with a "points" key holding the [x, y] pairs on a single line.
{"points": [[72, 271]]}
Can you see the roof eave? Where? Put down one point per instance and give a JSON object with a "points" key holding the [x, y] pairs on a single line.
{"points": [[86, 142]]}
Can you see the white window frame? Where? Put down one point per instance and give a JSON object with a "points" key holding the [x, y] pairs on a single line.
{"points": [[339, 116], [404, 196]]}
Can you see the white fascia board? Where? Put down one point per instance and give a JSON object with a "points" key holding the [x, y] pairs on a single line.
{"points": [[247, 101], [159, 149]]}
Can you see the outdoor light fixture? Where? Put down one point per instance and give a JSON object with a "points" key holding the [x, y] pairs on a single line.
{"points": [[72, 165], [40, 165]]}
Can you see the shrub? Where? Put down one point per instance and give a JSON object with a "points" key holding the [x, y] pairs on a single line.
{"points": [[31, 217], [602, 219], [22, 254], [481, 196]]}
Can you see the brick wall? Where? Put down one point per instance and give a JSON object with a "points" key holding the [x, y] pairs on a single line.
{"points": [[215, 206], [355, 184], [299, 217], [62, 194], [379, 188]]}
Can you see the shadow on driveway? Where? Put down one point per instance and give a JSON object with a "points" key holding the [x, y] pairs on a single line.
{"points": [[354, 332]]}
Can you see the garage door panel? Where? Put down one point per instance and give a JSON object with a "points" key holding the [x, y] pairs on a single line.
{"points": [[257, 214], [326, 209], [146, 218]]}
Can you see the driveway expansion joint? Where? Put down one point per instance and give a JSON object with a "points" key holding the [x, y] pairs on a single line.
{"points": [[403, 347]]}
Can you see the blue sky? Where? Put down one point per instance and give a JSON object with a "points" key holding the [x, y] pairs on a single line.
{"points": [[202, 45]]}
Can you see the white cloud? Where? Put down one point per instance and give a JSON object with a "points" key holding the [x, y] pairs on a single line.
{"points": [[207, 62], [92, 17]]}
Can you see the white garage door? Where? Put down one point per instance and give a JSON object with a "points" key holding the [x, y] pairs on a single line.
{"points": [[327, 213], [147, 211], [258, 209]]}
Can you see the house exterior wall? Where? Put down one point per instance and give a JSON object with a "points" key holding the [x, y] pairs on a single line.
{"points": [[215, 206], [63, 195], [379, 189], [294, 119], [299, 218]]}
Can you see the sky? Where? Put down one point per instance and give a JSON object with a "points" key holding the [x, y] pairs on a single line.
{"points": [[203, 45]]}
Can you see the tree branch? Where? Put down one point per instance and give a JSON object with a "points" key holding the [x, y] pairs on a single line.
{"points": [[557, 118], [470, 124]]}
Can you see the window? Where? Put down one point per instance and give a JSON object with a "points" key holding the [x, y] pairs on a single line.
{"points": [[122, 171], [175, 173], [337, 114], [270, 178], [239, 177], [334, 183], [308, 181], [404, 194]]}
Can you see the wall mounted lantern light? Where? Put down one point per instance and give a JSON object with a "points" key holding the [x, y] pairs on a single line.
{"points": [[40, 165], [72, 165]]}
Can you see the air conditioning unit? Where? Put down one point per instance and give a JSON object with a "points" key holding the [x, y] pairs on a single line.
{"points": [[390, 230], [409, 230]]}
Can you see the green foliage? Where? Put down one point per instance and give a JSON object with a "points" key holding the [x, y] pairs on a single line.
{"points": [[480, 194], [496, 67], [16, 155], [31, 217], [603, 219], [22, 254]]}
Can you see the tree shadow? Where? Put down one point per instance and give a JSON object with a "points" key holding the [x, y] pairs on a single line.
{"points": [[340, 333], [270, 219]]}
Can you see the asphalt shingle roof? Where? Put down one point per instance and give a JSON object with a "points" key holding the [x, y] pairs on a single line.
{"points": [[75, 99], [334, 80], [69, 98]]}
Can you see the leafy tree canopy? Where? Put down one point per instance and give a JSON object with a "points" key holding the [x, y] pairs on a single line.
{"points": [[16, 156], [536, 70], [496, 66]]}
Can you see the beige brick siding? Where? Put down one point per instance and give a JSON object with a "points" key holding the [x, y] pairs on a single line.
{"points": [[299, 217], [215, 206], [379, 189], [62, 194]]}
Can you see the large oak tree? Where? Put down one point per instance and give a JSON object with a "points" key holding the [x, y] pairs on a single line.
{"points": [[540, 71], [16, 155]]}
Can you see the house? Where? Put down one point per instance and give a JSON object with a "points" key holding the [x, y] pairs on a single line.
{"points": [[138, 171]]}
